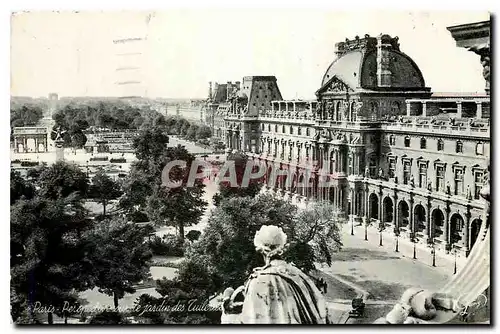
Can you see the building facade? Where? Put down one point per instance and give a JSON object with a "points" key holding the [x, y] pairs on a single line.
{"points": [[377, 142]]}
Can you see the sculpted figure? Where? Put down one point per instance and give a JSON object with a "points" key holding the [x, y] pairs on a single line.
{"points": [[419, 306], [278, 292]]}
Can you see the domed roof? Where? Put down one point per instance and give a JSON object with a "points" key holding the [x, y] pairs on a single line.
{"points": [[346, 68], [358, 69]]}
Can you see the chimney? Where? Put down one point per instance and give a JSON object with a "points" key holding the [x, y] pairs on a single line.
{"points": [[238, 85], [383, 61], [229, 89], [210, 90]]}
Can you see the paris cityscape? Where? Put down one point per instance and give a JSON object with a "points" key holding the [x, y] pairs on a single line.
{"points": [[363, 200]]}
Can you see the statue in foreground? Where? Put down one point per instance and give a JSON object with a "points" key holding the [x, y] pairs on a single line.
{"points": [[277, 293]]}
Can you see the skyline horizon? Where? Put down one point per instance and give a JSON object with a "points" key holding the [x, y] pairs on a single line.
{"points": [[76, 55]]}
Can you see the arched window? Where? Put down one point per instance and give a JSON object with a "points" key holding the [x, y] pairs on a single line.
{"points": [[392, 140], [307, 132], [407, 141], [299, 131], [283, 129], [440, 145], [460, 147], [276, 128], [479, 149], [291, 130], [423, 143], [395, 107]]}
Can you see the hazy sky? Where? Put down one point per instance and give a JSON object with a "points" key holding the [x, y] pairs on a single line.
{"points": [[73, 54]]}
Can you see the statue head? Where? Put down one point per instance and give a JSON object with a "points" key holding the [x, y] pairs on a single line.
{"points": [[270, 240]]}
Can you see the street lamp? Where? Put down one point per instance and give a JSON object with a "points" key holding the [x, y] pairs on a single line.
{"points": [[366, 229], [396, 233], [455, 262], [414, 240], [352, 226], [381, 228], [433, 251]]}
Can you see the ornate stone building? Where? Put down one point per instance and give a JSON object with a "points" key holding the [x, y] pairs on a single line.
{"points": [[388, 149]]}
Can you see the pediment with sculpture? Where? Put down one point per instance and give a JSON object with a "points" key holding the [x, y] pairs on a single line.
{"points": [[335, 85]]}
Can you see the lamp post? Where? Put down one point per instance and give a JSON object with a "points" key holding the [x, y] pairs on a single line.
{"points": [[414, 240], [366, 229], [433, 252], [352, 226], [455, 262], [381, 228], [396, 233]]}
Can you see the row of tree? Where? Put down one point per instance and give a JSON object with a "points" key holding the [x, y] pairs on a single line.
{"points": [[25, 115]]}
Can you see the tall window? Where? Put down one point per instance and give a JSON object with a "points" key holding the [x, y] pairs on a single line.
{"points": [[392, 140], [422, 175], [478, 183], [440, 145], [440, 178], [406, 172], [460, 147], [395, 108], [392, 167], [459, 181], [299, 131], [276, 128], [407, 141], [291, 130], [373, 167], [350, 164], [283, 129], [479, 149], [308, 132], [423, 143]]}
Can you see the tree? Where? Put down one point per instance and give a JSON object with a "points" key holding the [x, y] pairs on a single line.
{"points": [[49, 258], [192, 286], [19, 187], [104, 189], [316, 227], [150, 145], [227, 190], [191, 132], [226, 247], [177, 206], [61, 179], [120, 256], [203, 132]]}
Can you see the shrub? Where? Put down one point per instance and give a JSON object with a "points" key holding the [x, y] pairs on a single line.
{"points": [[169, 245], [193, 235], [29, 163], [99, 159], [138, 217]]}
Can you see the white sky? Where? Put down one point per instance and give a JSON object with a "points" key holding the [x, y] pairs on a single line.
{"points": [[72, 54]]}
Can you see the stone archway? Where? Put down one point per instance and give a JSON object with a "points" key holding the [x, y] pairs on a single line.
{"points": [[373, 199], [419, 220], [475, 227], [456, 226], [437, 221], [403, 214], [388, 210]]}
